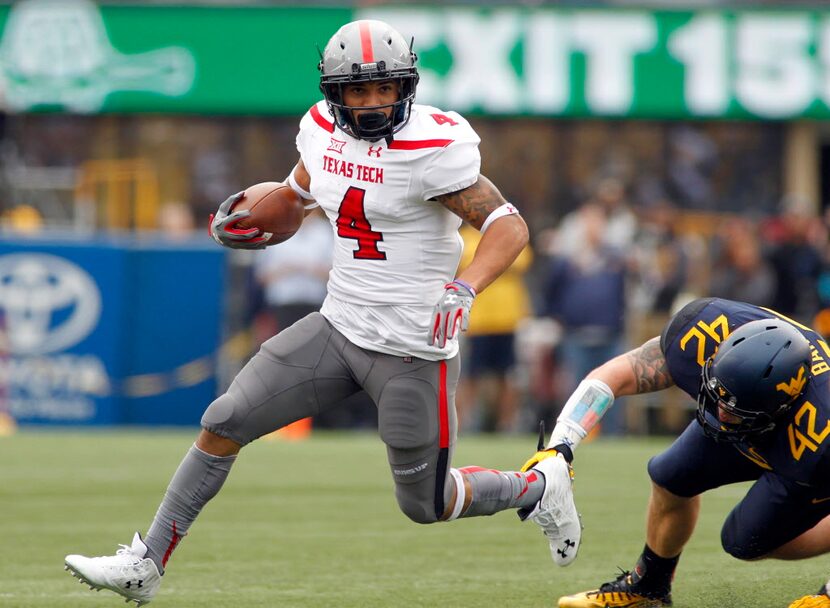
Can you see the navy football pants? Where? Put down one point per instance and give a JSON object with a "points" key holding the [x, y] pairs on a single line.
{"points": [[774, 511]]}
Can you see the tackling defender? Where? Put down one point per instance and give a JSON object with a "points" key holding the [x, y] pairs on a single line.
{"points": [[761, 382], [395, 180]]}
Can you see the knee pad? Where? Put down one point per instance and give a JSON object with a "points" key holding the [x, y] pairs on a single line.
{"points": [[218, 413], [419, 486], [406, 417], [418, 510], [219, 419]]}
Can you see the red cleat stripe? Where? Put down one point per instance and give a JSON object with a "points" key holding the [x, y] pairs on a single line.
{"points": [[173, 542]]}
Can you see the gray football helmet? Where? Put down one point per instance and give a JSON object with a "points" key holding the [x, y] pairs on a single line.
{"points": [[363, 51]]}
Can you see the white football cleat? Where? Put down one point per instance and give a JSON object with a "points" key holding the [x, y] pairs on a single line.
{"points": [[128, 572], [556, 511]]}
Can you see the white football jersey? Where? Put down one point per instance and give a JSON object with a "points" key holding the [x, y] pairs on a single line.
{"points": [[394, 248]]}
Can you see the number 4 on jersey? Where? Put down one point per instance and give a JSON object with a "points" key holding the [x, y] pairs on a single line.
{"points": [[443, 119], [352, 224]]}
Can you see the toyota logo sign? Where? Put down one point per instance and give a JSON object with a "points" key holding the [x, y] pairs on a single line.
{"points": [[49, 303]]}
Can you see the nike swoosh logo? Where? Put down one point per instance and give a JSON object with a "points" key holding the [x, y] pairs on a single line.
{"points": [[816, 501]]}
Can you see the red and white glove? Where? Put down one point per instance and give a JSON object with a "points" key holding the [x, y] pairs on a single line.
{"points": [[451, 311], [223, 229]]}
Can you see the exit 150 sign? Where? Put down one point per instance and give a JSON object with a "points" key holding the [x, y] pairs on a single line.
{"points": [[622, 63]]}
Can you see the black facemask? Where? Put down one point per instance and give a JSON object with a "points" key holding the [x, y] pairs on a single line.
{"points": [[373, 123]]}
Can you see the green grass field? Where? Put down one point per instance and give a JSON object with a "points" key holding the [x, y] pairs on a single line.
{"points": [[315, 524]]}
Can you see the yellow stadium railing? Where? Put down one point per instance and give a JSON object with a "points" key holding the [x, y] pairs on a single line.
{"points": [[118, 194]]}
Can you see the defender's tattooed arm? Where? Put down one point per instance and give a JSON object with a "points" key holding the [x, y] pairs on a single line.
{"points": [[642, 370]]}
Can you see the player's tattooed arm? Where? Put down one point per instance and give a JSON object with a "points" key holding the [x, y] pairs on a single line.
{"points": [[474, 203], [642, 370], [501, 243], [649, 366]]}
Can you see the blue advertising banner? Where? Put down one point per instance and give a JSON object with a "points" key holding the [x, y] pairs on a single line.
{"points": [[175, 321], [109, 331]]}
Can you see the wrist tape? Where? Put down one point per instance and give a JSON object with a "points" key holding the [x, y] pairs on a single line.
{"points": [[304, 194], [581, 413]]}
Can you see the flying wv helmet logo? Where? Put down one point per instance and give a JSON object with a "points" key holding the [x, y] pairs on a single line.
{"points": [[794, 387]]}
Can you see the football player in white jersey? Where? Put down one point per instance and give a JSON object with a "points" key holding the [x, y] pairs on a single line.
{"points": [[395, 180]]}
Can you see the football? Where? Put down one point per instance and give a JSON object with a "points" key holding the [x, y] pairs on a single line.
{"points": [[275, 209]]}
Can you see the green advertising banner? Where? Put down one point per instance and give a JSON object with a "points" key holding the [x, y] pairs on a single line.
{"points": [[76, 56]]}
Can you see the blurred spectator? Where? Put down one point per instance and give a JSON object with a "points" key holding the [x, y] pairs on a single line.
{"points": [[620, 220], [660, 261], [211, 175], [663, 260], [293, 277], [585, 292], [176, 220], [293, 274], [821, 322], [620, 224], [740, 272], [23, 218], [796, 240], [487, 395], [693, 157]]}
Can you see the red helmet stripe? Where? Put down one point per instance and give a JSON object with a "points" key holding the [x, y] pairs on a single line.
{"points": [[366, 42]]}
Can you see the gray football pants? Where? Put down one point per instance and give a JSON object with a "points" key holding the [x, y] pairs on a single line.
{"points": [[311, 367]]}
